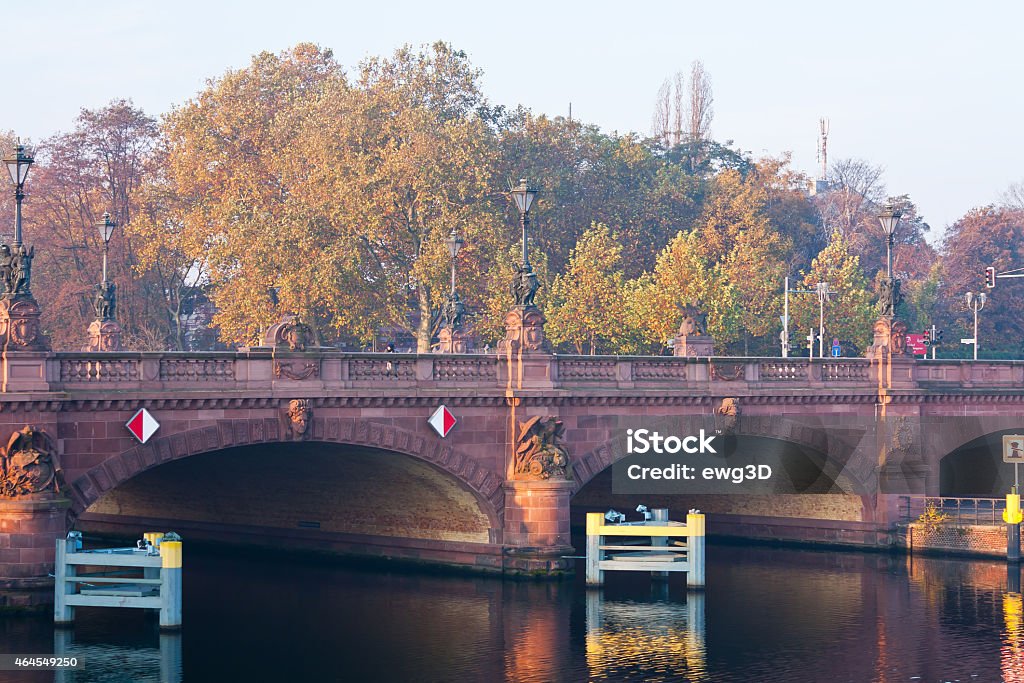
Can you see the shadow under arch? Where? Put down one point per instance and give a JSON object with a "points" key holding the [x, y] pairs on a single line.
{"points": [[976, 468], [964, 453], [230, 434]]}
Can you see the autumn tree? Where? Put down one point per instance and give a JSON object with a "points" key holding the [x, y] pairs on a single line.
{"points": [[682, 276], [586, 307], [849, 313], [96, 168], [736, 234], [225, 213], [588, 176], [402, 158], [987, 236]]}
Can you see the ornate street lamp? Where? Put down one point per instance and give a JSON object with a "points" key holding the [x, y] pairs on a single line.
{"points": [[524, 323], [890, 334], [455, 243], [104, 332], [890, 295], [19, 312], [106, 229], [454, 310], [889, 218], [523, 195], [18, 165]]}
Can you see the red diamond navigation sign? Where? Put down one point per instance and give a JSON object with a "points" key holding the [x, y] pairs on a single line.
{"points": [[442, 421], [142, 425]]}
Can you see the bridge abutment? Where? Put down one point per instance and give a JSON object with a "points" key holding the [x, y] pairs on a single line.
{"points": [[28, 529], [536, 533]]}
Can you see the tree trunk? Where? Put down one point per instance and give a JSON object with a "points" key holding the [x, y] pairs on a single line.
{"points": [[423, 328]]}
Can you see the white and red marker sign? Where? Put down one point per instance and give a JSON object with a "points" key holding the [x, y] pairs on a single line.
{"points": [[142, 425], [442, 421]]}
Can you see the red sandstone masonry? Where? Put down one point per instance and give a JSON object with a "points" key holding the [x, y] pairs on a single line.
{"points": [[202, 409]]}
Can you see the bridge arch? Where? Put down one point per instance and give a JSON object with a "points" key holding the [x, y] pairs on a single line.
{"points": [[484, 486], [975, 467]]}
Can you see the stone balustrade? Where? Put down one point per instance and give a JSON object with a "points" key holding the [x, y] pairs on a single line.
{"points": [[329, 370]]}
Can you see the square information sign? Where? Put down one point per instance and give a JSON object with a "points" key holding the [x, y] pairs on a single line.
{"points": [[1013, 448]]}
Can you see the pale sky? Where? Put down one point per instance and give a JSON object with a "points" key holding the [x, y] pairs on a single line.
{"points": [[931, 91]]}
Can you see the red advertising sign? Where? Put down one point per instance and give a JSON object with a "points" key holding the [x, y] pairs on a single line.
{"points": [[915, 344]]}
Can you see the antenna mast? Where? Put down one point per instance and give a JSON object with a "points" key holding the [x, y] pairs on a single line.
{"points": [[823, 149]]}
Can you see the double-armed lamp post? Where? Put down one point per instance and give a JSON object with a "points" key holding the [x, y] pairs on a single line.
{"points": [[975, 302]]}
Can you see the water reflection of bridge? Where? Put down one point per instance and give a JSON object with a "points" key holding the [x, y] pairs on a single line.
{"points": [[120, 662]]}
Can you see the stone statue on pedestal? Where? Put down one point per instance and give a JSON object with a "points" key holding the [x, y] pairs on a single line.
{"points": [[524, 285], [693, 339], [105, 301], [16, 269], [453, 312]]}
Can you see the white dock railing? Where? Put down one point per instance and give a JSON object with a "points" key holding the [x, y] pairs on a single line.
{"points": [[158, 588], [660, 556]]}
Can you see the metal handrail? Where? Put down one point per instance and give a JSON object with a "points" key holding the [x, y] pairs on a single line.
{"points": [[960, 510]]}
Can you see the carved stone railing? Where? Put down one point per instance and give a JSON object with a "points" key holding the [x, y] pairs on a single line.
{"points": [[853, 370], [197, 369], [783, 371], [583, 370], [96, 370], [470, 369], [660, 370], [382, 370]]}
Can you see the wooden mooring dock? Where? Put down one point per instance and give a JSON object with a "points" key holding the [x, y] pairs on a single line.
{"points": [[672, 547], [158, 559]]}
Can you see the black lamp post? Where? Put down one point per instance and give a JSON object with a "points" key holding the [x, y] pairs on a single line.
{"points": [[106, 229], [18, 165], [455, 243], [523, 195]]}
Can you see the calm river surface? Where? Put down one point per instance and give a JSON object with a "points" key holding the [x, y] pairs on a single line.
{"points": [[769, 614]]}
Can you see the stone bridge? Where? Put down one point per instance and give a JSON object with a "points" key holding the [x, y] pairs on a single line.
{"points": [[333, 451]]}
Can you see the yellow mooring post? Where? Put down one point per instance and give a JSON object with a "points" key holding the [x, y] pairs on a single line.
{"points": [[154, 538], [170, 587], [696, 542], [1013, 517]]}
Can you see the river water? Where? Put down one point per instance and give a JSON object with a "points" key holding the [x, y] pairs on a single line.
{"points": [[769, 614]]}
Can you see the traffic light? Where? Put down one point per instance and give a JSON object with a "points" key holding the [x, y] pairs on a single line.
{"points": [[990, 277], [927, 337], [938, 337]]}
